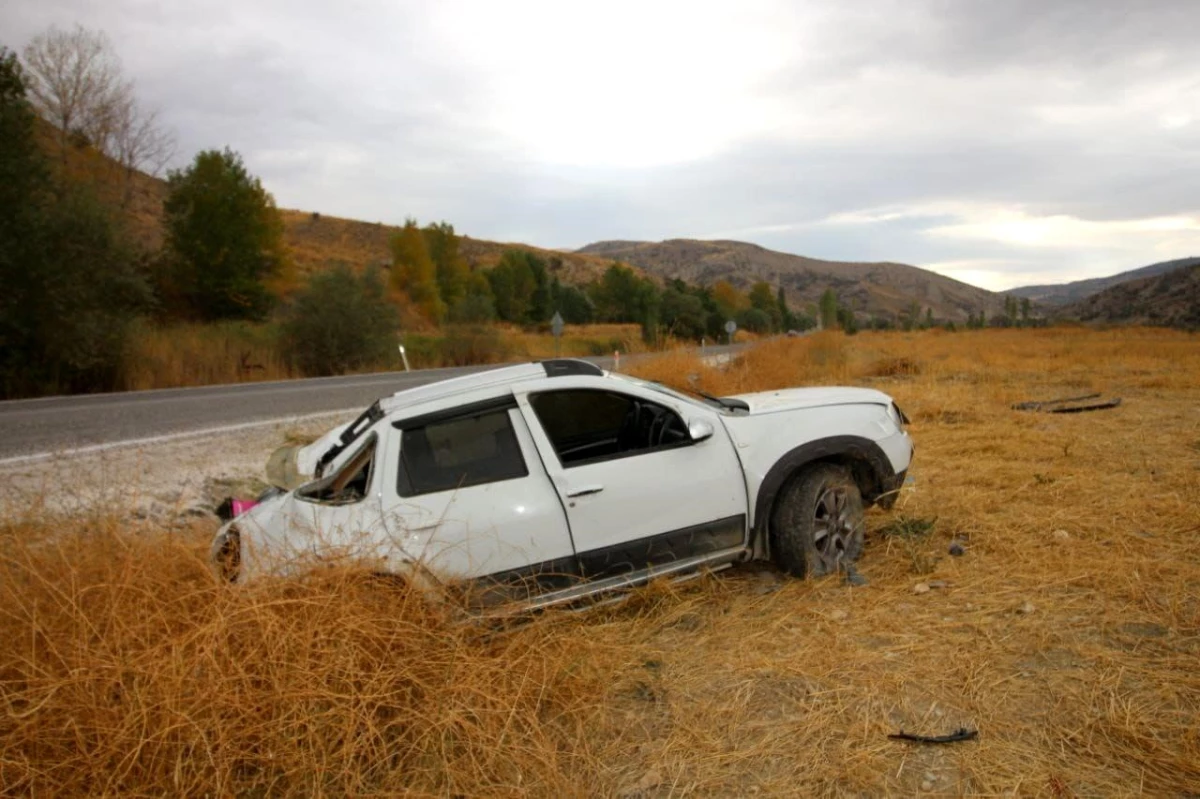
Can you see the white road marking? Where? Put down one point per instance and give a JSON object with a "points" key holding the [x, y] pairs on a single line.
{"points": [[137, 442]]}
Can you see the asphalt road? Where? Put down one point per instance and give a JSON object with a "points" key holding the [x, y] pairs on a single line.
{"points": [[40, 427]]}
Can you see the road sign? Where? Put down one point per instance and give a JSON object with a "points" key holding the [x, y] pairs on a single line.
{"points": [[556, 327], [731, 327]]}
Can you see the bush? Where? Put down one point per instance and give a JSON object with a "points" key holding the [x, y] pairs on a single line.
{"points": [[471, 344], [339, 323]]}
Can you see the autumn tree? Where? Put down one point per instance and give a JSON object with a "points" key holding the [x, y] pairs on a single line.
{"points": [[137, 142], [75, 81], [414, 272], [224, 237], [728, 299]]}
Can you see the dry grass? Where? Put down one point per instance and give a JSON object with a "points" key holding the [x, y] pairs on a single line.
{"points": [[577, 340], [234, 352], [201, 355], [1067, 634]]}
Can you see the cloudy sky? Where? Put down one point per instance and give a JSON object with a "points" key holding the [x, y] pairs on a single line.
{"points": [[999, 142]]}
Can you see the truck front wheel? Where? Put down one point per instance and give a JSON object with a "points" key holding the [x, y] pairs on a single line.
{"points": [[817, 523]]}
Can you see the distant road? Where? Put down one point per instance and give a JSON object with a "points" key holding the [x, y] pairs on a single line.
{"points": [[37, 428]]}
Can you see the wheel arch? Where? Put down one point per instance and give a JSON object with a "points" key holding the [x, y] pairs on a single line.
{"points": [[867, 462]]}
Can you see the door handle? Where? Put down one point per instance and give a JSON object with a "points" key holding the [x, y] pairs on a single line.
{"points": [[583, 491]]}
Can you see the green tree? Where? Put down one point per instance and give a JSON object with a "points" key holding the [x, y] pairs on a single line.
{"points": [[24, 179], [572, 302], [787, 320], [755, 320], [1010, 309], [72, 285], [829, 310], [339, 323], [513, 285], [1025, 310], [452, 271], [477, 304], [414, 272], [622, 296], [847, 321], [764, 300], [225, 238], [539, 303], [683, 313]]}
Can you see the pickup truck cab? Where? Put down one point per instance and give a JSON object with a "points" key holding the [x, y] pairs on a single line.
{"points": [[553, 481]]}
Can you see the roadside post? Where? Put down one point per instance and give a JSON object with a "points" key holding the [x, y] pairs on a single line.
{"points": [[405, 357], [730, 328], [556, 327]]}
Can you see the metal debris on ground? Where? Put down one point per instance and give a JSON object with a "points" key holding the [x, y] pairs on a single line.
{"points": [[961, 734], [1068, 404]]}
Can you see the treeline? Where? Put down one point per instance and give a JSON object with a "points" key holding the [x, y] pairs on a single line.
{"points": [[526, 289]]}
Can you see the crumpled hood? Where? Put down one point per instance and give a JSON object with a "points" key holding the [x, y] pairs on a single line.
{"points": [[793, 398]]}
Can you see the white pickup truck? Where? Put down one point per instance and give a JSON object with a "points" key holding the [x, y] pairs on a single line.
{"points": [[553, 481]]}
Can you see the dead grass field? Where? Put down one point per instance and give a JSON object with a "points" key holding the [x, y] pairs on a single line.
{"points": [[237, 352], [1068, 633]]}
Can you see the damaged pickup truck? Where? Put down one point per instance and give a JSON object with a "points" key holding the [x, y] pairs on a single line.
{"points": [[553, 481]]}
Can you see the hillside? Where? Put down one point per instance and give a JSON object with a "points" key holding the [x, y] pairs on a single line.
{"points": [[1170, 299], [875, 289], [136, 196], [313, 240], [316, 241], [1067, 293]]}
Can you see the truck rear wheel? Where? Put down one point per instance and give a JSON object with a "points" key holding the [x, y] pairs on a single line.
{"points": [[817, 523]]}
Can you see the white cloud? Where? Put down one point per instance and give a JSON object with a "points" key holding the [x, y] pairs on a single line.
{"points": [[1016, 227], [999, 141]]}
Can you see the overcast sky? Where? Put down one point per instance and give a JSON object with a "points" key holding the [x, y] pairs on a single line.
{"points": [[1002, 142]]}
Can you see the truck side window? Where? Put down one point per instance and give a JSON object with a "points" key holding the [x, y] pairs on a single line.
{"points": [[461, 452], [588, 425]]}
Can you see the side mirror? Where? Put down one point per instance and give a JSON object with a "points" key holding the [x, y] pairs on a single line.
{"points": [[700, 430]]}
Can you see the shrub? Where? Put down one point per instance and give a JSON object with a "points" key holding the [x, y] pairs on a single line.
{"points": [[339, 323], [470, 344]]}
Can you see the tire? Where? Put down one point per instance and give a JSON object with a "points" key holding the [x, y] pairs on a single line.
{"points": [[803, 541]]}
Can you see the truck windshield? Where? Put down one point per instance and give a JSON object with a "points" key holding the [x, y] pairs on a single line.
{"points": [[700, 398], [351, 434]]}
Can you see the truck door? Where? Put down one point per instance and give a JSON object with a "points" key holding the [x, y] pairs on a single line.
{"points": [[639, 489]]}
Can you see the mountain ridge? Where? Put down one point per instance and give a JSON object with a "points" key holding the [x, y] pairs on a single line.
{"points": [[880, 288], [1171, 298], [1073, 292]]}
